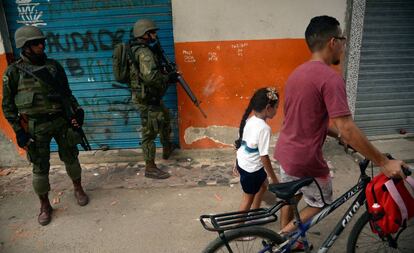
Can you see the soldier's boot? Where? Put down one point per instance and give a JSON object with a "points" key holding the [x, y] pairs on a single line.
{"points": [[152, 171], [167, 150], [80, 195], [46, 209]]}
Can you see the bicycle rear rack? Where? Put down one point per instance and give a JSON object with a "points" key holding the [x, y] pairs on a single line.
{"points": [[226, 221]]}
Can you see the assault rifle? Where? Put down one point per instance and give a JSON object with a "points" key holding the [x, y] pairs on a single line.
{"points": [[171, 67], [42, 74]]}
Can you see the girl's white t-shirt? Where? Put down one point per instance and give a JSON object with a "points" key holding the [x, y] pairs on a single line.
{"points": [[255, 143]]}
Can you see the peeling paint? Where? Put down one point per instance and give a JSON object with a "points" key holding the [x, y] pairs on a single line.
{"points": [[220, 134], [214, 82]]}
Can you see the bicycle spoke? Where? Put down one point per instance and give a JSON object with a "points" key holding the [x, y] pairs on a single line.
{"points": [[367, 241], [254, 245]]}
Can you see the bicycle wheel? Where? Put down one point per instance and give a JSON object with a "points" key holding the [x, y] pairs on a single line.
{"points": [[260, 240], [362, 239]]}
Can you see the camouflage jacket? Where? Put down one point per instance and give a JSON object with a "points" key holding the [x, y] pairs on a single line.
{"points": [[151, 75], [23, 94]]}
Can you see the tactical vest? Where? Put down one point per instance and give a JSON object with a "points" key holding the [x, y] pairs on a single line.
{"points": [[34, 97], [148, 96]]}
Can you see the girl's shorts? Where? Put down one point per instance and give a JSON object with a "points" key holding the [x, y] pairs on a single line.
{"points": [[251, 182]]}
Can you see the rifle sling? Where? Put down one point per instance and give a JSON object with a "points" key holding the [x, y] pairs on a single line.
{"points": [[25, 70]]}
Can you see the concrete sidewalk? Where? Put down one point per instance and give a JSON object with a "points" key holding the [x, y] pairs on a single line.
{"points": [[400, 148], [131, 213]]}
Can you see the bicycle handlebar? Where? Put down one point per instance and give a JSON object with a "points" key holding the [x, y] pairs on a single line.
{"points": [[405, 170]]}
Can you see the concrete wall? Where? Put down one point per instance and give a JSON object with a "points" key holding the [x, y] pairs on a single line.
{"points": [[227, 49], [10, 153]]}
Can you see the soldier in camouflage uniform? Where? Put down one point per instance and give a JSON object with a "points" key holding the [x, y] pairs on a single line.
{"points": [[25, 97], [147, 92]]}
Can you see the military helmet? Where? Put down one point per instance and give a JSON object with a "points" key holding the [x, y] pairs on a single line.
{"points": [[27, 33], [142, 26]]}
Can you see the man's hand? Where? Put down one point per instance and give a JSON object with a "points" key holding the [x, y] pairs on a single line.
{"points": [[77, 120], [23, 138], [74, 123], [392, 168], [173, 77]]}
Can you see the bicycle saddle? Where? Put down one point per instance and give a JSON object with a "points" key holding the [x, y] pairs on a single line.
{"points": [[287, 190]]}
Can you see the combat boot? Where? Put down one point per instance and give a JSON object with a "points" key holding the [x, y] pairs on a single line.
{"points": [[46, 209], [167, 150], [152, 171], [80, 195]]}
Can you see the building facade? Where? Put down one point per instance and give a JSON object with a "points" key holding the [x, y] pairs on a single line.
{"points": [[225, 50]]}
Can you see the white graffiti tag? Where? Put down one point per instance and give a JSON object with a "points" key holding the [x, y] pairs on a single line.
{"points": [[28, 13]]}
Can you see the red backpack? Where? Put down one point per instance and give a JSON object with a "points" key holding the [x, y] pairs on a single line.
{"points": [[390, 203]]}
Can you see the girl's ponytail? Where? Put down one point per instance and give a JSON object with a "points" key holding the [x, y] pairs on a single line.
{"points": [[246, 114]]}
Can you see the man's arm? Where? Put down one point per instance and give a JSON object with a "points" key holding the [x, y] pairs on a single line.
{"points": [[150, 73], [349, 132], [333, 132], [9, 107]]}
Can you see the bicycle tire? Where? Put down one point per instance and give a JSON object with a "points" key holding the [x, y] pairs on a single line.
{"points": [[362, 239], [263, 237]]}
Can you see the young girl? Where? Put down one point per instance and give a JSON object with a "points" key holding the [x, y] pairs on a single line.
{"points": [[253, 163]]}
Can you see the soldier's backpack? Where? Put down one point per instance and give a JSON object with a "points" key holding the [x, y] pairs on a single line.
{"points": [[390, 203], [120, 62]]}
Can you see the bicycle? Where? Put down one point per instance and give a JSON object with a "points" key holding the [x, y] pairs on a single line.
{"points": [[240, 231]]}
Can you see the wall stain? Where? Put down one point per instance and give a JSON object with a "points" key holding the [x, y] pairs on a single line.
{"points": [[220, 134]]}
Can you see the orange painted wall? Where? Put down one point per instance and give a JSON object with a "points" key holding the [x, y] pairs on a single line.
{"points": [[223, 75], [4, 124]]}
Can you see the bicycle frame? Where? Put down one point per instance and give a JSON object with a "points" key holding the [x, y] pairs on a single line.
{"points": [[235, 220], [340, 226]]}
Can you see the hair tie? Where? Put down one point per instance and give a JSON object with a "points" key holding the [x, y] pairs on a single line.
{"points": [[272, 93]]}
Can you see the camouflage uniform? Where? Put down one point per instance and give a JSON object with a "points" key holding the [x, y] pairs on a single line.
{"points": [[27, 97], [22, 94], [149, 84], [155, 117]]}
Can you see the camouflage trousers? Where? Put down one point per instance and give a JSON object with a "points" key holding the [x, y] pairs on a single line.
{"points": [[42, 131], [155, 120]]}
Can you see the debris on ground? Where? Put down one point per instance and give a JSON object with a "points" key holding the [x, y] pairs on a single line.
{"points": [[5, 172]]}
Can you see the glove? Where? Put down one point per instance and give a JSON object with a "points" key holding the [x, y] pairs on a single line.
{"points": [[22, 138], [79, 116], [173, 77]]}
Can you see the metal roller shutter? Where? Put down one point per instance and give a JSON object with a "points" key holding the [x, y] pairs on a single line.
{"points": [[81, 35], [385, 95]]}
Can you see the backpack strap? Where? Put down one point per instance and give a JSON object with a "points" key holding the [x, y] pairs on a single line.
{"points": [[409, 185], [136, 65], [410, 181], [397, 198]]}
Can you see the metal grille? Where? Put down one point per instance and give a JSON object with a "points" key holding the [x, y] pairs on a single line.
{"points": [[385, 96], [81, 35]]}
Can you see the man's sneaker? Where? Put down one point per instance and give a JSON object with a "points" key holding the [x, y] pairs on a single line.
{"points": [[299, 246]]}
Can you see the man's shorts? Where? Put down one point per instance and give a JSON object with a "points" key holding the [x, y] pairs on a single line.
{"points": [[251, 182], [311, 193]]}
